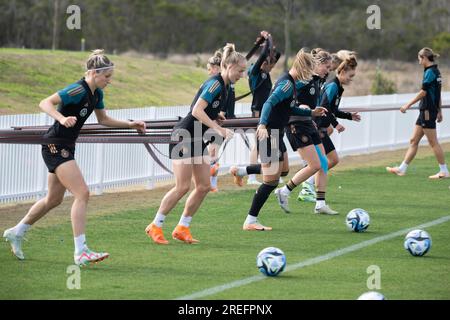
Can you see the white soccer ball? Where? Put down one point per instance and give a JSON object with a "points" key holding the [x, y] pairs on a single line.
{"points": [[357, 220], [271, 261], [371, 295], [417, 242]]}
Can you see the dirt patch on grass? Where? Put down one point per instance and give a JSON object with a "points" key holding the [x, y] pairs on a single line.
{"points": [[139, 198]]}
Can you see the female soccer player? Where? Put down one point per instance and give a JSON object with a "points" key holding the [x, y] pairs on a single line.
{"points": [[260, 84], [75, 104], [280, 105], [330, 99], [308, 192], [188, 156], [302, 132], [430, 112], [213, 67]]}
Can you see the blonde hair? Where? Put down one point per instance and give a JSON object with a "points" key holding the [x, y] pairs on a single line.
{"points": [[216, 59], [321, 56], [428, 52], [98, 61], [340, 56], [304, 65], [231, 56], [348, 64]]}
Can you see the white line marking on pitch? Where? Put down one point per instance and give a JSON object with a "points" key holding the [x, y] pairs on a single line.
{"points": [[312, 261]]}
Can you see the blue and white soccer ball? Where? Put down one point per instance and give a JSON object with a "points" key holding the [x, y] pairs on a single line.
{"points": [[371, 295], [417, 242], [357, 220], [271, 261]]}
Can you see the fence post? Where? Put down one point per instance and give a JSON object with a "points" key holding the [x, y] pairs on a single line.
{"points": [[368, 125], [394, 125], [43, 120], [99, 168], [151, 180]]}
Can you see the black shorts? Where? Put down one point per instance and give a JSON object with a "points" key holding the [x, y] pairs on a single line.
{"points": [[56, 154], [188, 149], [427, 119], [189, 146], [272, 146], [326, 140], [302, 134]]}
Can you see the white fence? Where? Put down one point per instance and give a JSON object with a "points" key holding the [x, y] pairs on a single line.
{"points": [[23, 175]]}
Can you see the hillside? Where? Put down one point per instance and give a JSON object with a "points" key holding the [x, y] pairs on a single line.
{"points": [[27, 76]]}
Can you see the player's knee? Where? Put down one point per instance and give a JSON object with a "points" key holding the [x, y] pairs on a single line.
{"points": [[333, 162], [182, 189], [82, 195], [203, 188], [315, 166], [414, 142]]}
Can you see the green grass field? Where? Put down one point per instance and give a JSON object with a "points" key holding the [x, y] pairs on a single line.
{"points": [[139, 269], [28, 76]]}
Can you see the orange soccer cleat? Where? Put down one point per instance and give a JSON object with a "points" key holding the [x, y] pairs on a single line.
{"points": [[183, 233], [156, 234]]}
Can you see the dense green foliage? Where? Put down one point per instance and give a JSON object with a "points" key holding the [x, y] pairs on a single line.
{"points": [[190, 26]]}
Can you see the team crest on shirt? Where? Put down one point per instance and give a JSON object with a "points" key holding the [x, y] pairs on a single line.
{"points": [[215, 104], [292, 103], [264, 75], [83, 112], [64, 153], [312, 91], [305, 139]]}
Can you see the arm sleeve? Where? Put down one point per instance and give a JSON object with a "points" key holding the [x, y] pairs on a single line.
{"points": [[343, 115], [283, 91], [211, 90], [326, 100], [71, 94], [262, 57], [428, 78], [100, 104]]}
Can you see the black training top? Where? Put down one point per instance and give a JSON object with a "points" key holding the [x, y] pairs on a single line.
{"points": [[77, 101]]}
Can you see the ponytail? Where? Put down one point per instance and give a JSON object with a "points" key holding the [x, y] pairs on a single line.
{"points": [[98, 61]]}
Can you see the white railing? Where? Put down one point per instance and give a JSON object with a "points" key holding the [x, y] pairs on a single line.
{"points": [[23, 175]]}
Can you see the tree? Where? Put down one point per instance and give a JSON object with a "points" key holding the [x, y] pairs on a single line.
{"points": [[55, 24]]}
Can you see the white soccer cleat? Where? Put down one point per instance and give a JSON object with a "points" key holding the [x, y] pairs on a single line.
{"points": [[15, 242], [253, 182], [440, 175], [325, 210], [88, 256], [256, 226], [283, 200]]}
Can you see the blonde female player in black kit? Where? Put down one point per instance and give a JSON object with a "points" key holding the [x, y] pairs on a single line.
{"points": [[213, 68], [302, 132], [430, 112], [281, 104], [330, 99], [75, 104], [189, 156]]}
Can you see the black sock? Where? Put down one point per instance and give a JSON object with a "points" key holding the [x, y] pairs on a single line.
{"points": [[254, 169], [321, 195], [260, 198], [291, 185]]}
